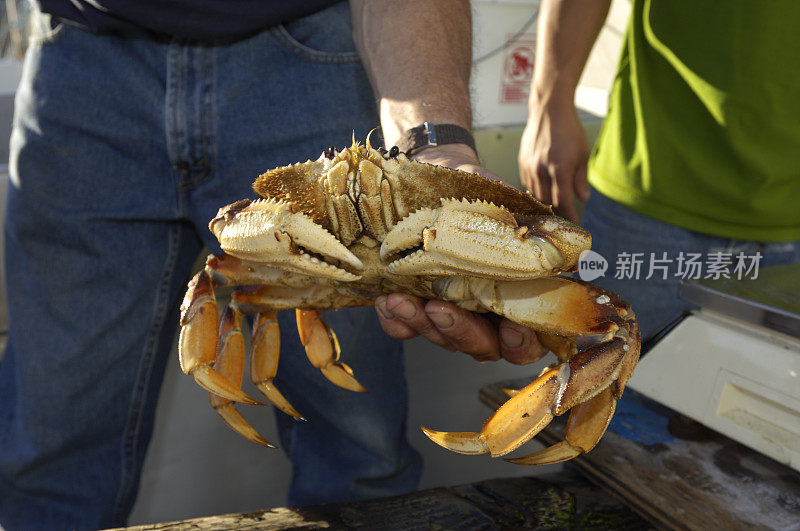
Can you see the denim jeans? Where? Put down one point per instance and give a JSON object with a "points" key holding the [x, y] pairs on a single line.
{"points": [[616, 229], [122, 150]]}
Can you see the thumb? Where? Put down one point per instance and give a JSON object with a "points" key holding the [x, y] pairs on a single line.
{"points": [[581, 183]]}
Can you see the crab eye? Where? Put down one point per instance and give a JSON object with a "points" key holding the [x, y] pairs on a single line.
{"points": [[394, 152], [330, 152]]}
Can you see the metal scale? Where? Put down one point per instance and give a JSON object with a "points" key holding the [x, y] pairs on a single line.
{"points": [[734, 364]]}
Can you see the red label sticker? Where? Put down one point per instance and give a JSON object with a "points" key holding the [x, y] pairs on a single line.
{"points": [[517, 70]]}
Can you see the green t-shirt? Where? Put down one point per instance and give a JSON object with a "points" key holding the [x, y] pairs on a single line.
{"points": [[703, 129]]}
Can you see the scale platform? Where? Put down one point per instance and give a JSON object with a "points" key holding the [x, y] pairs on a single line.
{"points": [[734, 363]]}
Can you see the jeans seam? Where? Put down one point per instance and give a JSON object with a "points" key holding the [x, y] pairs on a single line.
{"points": [[205, 170], [208, 117], [285, 39], [206, 124], [130, 440], [171, 107]]}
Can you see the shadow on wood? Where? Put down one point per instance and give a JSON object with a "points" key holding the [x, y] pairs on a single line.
{"points": [[558, 502]]}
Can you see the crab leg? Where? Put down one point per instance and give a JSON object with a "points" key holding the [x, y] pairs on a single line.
{"points": [[519, 419], [588, 421], [230, 364], [322, 348], [558, 389], [197, 347], [264, 351]]}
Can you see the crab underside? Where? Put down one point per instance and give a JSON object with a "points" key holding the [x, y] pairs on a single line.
{"points": [[354, 224]]}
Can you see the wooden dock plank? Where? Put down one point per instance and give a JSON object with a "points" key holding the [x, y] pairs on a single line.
{"points": [[558, 502]]}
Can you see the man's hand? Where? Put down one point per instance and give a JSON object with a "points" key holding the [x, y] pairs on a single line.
{"points": [[554, 151], [404, 316], [456, 156], [553, 154]]}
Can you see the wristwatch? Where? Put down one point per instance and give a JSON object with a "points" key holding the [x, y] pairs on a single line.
{"points": [[430, 135]]}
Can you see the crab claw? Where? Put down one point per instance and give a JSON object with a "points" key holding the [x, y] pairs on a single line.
{"points": [[322, 348], [464, 237], [585, 427], [230, 364], [197, 347], [268, 232], [463, 442], [588, 384]]}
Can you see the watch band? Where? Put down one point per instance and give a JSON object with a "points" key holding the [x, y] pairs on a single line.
{"points": [[429, 135]]}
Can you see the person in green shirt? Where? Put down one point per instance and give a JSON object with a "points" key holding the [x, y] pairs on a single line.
{"points": [[696, 172]]}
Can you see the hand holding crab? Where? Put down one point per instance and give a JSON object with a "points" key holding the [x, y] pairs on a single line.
{"points": [[360, 223], [404, 316]]}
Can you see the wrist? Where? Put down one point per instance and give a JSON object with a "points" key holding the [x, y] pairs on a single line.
{"points": [[551, 98], [450, 155], [429, 135], [397, 117]]}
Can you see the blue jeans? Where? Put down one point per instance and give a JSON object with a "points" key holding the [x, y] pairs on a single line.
{"points": [[616, 229], [122, 150]]}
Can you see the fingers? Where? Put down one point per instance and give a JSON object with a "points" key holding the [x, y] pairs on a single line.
{"points": [[527, 161], [582, 183], [444, 324], [403, 317], [553, 155], [477, 336], [562, 194], [519, 344], [390, 324], [543, 186], [467, 332]]}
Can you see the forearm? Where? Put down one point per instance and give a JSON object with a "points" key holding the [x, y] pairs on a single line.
{"points": [[418, 56], [566, 33]]}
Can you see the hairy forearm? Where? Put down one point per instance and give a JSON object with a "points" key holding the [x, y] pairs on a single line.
{"points": [[566, 33], [418, 56]]}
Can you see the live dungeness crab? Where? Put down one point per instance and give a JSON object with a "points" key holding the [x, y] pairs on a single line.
{"points": [[353, 224]]}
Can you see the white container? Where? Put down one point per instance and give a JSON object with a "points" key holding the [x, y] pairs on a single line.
{"points": [[735, 377]]}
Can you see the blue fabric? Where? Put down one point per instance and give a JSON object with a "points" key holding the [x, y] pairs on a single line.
{"points": [[639, 420], [122, 150], [201, 20], [616, 229]]}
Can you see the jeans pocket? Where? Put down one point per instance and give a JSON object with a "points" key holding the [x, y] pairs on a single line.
{"points": [[322, 37], [312, 54], [46, 29]]}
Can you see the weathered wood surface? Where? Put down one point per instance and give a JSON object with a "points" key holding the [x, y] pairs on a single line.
{"points": [[678, 473], [564, 501]]}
